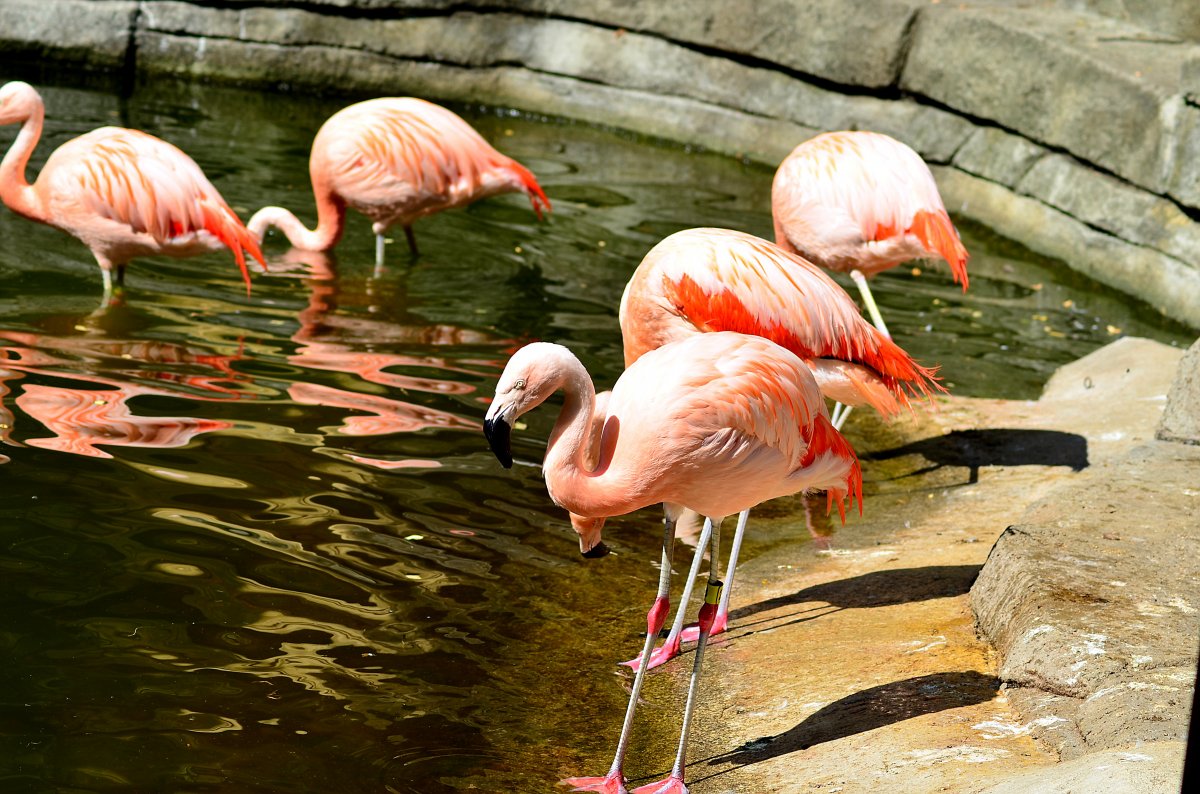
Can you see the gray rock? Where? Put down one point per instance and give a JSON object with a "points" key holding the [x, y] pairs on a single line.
{"points": [[1181, 419], [998, 155], [1145, 768], [1049, 76], [1112, 205], [71, 31], [1091, 598]]}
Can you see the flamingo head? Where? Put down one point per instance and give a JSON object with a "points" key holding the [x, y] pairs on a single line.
{"points": [[533, 373], [17, 102], [589, 530]]}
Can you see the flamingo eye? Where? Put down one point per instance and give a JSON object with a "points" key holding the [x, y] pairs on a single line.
{"points": [[520, 384]]}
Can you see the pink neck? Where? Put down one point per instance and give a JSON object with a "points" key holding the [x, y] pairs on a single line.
{"points": [[15, 191], [331, 220]]}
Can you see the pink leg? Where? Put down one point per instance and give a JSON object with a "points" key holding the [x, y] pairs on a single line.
{"points": [[670, 647], [721, 621], [673, 783], [614, 781]]}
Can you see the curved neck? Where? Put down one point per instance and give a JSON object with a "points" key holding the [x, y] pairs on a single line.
{"points": [[15, 191], [331, 217], [578, 455]]}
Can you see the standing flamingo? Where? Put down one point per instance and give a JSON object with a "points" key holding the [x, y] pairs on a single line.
{"points": [[397, 159], [860, 203], [703, 280], [122, 192], [714, 423]]}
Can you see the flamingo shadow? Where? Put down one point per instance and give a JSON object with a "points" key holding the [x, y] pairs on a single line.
{"points": [[874, 589], [869, 709], [974, 449]]}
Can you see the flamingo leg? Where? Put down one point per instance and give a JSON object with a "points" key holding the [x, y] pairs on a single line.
{"points": [[614, 781], [673, 783], [412, 239], [838, 417], [670, 647], [379, 244], [869, 300], [722, 618]]}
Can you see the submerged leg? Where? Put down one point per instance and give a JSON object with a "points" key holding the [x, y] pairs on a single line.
{"points": [[614, 781], [670, 647], [380, 242], [673, 784], [869, 300], [838, 417]]}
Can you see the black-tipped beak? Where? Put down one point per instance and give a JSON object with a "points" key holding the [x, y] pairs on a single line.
{"points": [[499, 436], [596, 552]]}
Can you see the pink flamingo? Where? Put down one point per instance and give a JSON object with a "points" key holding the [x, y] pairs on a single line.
{"points": [[396, 159], [860, 203], [703, 280], [122, 192], [714, 423]]}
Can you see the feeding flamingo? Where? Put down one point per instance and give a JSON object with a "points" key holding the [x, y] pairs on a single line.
{"points": [[860, 203], [122, 192], [714, 423], [703, 280], [396, 159]]}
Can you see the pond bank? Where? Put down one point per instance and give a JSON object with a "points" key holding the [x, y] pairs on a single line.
{"points": [[866, 673], [1103, 176]]}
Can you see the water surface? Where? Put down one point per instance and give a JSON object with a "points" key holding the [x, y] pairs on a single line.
{"points": [[259, 544]]}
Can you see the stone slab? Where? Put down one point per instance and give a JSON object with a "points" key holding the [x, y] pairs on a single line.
{"points": [[70, 31], [1181, 419]]}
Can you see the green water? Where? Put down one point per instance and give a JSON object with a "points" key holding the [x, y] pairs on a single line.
{"points": [[259, 544]]}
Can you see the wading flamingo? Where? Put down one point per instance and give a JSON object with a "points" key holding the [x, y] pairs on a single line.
{"points": [[703, 280], [396, 159], [859, 203], [123, 193], [714, 423]]}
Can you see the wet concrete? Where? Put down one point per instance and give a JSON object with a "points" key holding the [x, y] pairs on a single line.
{"points": [[865, 671]]}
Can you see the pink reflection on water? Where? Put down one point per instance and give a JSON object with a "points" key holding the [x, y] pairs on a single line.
{"points": [[342, 342], [83, 419]]}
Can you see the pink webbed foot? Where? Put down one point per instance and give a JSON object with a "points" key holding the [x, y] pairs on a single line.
{"points": [[612, 783], [692, 633], [660, 655], [672, 785]]}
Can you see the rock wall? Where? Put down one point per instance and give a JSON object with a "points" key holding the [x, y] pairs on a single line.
{"points": [[1076, 133]]}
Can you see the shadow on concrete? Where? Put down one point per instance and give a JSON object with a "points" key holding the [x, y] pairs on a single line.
{"points": [[870, 709], [875, 589], [974, 449]]}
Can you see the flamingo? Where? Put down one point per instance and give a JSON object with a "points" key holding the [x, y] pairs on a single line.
{"points": [[860, 203], [396, 159], [714, 423], [122, 192], [703, 280]]}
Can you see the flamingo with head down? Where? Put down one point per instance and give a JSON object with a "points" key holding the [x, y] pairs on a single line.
{"points": [[396, 159], [714, 423], [860, 203], [123, 193]]}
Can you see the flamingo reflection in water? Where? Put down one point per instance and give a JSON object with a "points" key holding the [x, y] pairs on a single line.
{"points": [[84, 419], [334, 341]]}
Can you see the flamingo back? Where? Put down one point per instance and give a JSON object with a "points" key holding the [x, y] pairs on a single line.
{"points": [[143, 185], [397, 158], [704, 280], [728, 408], [841, 190]]}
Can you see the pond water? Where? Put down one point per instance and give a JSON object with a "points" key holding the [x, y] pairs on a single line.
{"points": [[259, 544]]}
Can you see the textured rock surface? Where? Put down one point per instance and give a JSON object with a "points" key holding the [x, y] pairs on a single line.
{"points": [[1181, 419], [1062, 123]]}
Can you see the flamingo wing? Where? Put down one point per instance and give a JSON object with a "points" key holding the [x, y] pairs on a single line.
{"points": [[740, 401], [722, 280], [145, 186]]}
